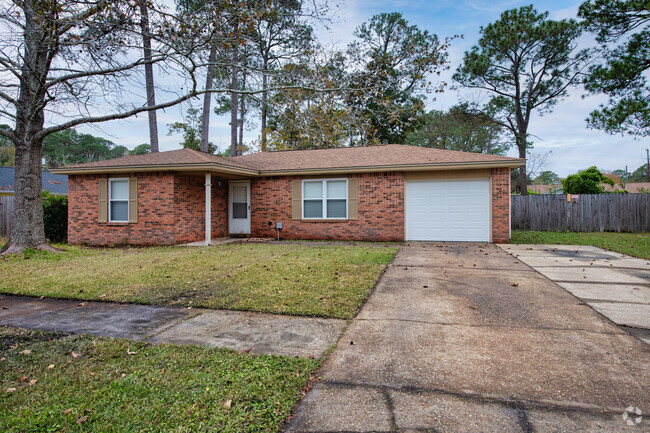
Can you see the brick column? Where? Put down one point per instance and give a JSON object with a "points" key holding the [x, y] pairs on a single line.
{"points": [[501, 205]]}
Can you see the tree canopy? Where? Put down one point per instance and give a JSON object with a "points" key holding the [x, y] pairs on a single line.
{"points": [[547, 177], [465, 127], [396, 60], [623, 75], [69, 147]]}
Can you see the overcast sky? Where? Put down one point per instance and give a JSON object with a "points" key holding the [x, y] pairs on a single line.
{"points": [[562, 132]]}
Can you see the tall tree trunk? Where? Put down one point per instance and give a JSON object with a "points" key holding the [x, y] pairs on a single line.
{"points": [[27, 230], [522, 181], [242, 113], [265, 98], [233, 97], [207, 99], [148, 74]]}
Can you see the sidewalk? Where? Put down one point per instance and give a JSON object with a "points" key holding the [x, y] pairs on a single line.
{"points": [[255, 332]]}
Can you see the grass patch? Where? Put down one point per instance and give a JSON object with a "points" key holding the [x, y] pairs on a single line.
{"points": [[324, 280], [158, 388], [634, 244]]}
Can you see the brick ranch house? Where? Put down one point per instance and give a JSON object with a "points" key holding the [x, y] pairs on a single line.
{"points": [[377, 193]]}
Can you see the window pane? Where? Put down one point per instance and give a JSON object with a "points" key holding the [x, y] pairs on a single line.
{"points": [[313, 190], [336, 189], [239, 194], [313, 209], [120, 189], [119, 211], [336, 209], [240, 210]]}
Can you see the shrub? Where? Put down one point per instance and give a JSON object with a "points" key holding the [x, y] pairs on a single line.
{"points": [[586, 182], [55, 217]]}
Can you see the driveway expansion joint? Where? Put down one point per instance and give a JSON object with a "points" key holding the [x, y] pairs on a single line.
{"points": [[524, 404]]}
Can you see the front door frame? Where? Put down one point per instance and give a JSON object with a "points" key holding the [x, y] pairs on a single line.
{"points": [[240, 226]]}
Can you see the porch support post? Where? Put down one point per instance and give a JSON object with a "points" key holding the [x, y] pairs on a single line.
{"points": [[208, 208]]}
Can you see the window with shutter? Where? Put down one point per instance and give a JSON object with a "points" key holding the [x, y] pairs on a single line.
{"points": [[325, 199]]}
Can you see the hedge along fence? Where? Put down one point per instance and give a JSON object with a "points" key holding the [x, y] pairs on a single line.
{"points": [[55, 216], [582, 213]]}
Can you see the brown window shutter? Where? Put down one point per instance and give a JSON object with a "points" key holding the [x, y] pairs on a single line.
{"points": [[296, 199], [353, 199], [133, 200], [103, 200]]}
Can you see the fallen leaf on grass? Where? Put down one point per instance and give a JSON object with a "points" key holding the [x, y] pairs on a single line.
{"points": [[11, 389], [24, 378], [75, 354], [82, 419], [51, 366], [67, 411], [102, 295], [32, 382], [26, 352], [228, 403], [128, 352]]}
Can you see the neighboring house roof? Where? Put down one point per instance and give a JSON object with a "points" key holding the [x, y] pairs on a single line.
{"points": [[54, 183], [344, 159], [546, 189], [632, 187]]}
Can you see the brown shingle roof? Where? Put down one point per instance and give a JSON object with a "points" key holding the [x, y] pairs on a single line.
{"points": [[172, 157], [388, 155]]}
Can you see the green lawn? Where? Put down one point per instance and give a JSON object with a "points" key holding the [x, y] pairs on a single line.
{"points": [[634, 244], [322, 280], [83, 383]]}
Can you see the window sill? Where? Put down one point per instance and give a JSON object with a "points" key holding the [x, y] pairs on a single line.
{"points": [[343, 220]]}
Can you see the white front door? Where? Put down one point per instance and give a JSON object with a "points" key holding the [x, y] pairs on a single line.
{"points": [[448, 210], [239, 208]]}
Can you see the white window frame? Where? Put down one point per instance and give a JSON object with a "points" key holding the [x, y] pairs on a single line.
{"points": [[110, 187], [324, 198]]}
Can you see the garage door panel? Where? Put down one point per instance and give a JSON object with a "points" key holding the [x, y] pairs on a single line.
{"points": [[454, 210]]}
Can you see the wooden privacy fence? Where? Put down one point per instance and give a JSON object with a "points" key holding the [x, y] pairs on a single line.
{"points": [[6, 214], [582, 213]]}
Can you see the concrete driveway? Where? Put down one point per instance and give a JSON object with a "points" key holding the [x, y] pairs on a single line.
{"points": [[614, 284], [467, 338]]}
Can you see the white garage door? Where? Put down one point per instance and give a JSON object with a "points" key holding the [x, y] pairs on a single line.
{"points": [[448, 210]]}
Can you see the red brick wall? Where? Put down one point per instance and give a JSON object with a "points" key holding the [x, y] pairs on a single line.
{"points": [[171, 210], [155, 212], [381, 210], [501, 205]]}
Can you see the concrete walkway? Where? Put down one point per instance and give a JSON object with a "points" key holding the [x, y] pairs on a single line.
{"points": [[258, 333], [614, 284], [466, 338]]}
